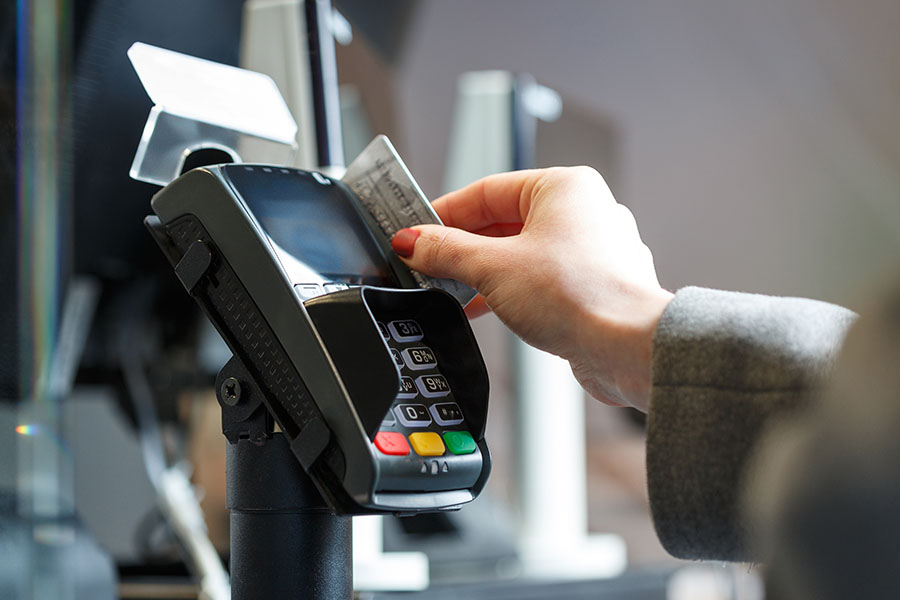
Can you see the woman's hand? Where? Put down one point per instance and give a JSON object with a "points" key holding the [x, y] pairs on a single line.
{"points": [[561, 263]]}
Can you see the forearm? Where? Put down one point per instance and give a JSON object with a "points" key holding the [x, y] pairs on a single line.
{"points": [[725, 366]]}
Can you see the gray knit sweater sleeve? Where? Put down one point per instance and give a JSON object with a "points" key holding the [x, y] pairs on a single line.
{"points": [[725, 365]]}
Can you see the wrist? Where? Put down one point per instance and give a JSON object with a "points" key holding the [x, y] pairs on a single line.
{"points": [[615, 347]]}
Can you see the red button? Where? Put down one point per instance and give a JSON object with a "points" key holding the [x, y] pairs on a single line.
{"points": [[391, 442]]}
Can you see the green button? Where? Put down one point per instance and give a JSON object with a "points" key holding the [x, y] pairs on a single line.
{"points": [[459, 442]]}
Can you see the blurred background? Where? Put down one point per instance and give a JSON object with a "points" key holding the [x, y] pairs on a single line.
{"points": [[757, 143]]}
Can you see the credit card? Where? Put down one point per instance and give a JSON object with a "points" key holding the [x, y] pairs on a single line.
{"points": [[394, 200]]}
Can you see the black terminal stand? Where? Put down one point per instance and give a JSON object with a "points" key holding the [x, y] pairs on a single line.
{"points": [[285, 540]]}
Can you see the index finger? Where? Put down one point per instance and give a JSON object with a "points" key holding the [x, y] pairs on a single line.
{"points": [[501, 198]]}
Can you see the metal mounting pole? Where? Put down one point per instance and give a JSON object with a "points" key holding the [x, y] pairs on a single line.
{"points": [[286, 542]]}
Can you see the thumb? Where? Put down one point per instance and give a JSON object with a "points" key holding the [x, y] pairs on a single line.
{"points": [[444, 252]]}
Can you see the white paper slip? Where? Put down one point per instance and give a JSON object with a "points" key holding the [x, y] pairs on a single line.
{"points": [[394, 199]]}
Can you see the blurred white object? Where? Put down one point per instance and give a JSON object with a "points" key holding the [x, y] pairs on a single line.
{"points": [[542, 102], [493, 131], [200, 104], [553, 528], [715, 582], [376, 570], [211, 92], [481, 141], [341, 28], [183, 513], [275, 41]]}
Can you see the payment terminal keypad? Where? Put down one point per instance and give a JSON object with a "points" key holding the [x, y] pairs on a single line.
{"points": [[424, 436]]}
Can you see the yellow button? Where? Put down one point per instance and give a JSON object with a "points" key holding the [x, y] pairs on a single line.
{"points": [[426, 443]]}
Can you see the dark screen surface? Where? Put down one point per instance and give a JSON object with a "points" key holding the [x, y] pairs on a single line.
{"points": [[313, 226], [10, 353], [110, 107]]}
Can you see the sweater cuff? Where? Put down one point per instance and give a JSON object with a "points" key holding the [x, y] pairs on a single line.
{"points": [[725, 365]]}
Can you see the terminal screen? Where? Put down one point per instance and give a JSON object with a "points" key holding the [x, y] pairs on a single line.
{"points": [[312, 225]]}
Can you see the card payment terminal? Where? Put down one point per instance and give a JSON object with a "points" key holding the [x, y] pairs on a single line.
{"points": [[377, 384]]}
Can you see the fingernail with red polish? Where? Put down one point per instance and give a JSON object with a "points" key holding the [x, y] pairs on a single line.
{"points": [[404, 241]]}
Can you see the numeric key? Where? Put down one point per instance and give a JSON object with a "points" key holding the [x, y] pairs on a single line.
{"points": [[446, 413], [406, 330], [412, 415], [433, 386], [419, 358], [407, 389]]}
